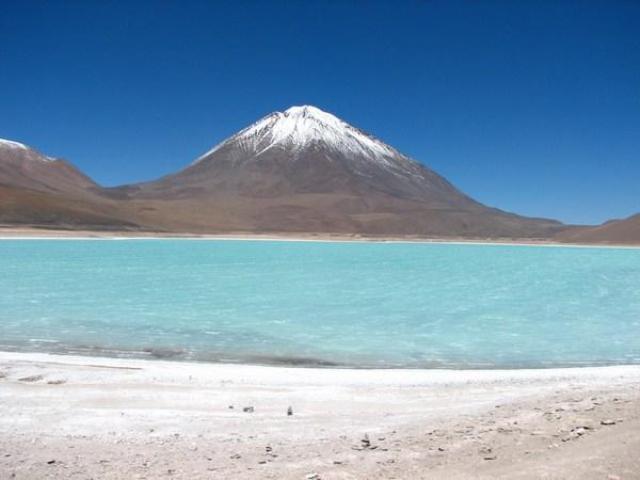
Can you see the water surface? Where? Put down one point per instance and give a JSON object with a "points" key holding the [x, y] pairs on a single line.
{"points": [[314, 303]]}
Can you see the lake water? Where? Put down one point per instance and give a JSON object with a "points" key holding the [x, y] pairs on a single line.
{"points": [[314, 303]]}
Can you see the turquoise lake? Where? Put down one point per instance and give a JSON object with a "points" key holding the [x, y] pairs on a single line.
{"points": [[314, 303]]}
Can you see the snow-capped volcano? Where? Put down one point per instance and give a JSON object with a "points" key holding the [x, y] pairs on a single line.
{"points": [[304, 149], [300, 129], [304, 169]]}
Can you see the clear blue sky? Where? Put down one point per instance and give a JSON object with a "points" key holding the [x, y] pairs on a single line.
{"points": [[533, 107]]}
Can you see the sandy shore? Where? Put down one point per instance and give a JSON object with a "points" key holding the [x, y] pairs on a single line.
{"points": [[18, 233], [77, 417]]}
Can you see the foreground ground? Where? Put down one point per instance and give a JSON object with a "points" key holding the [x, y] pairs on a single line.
{"points": [[75, 417]]}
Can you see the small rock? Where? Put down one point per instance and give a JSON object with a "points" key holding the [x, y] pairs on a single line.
{"points": [[608, 422], [230, 407], [365, 444], [248, 409], [269, 452], [51, 462], [56, 382], [312, 476], [289, 411]]}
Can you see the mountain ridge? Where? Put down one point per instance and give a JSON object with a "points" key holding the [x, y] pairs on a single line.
{"points": [[618, 232], [301, 170], [39, 190]]}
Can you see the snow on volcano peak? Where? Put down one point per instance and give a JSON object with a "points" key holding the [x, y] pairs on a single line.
{"points": [[299, 127]]}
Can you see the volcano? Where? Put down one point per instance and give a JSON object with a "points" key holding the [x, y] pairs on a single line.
{"points": [[305, 170]]}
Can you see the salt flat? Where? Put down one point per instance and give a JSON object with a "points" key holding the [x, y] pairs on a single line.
{"points": [[81, 417]]}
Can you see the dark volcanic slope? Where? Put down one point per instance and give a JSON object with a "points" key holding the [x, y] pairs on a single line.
{"points": [[43, 191], [304, 170], [614, 232]]}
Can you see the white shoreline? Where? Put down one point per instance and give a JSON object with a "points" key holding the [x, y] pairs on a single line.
{"points": [[299, 376], [498, 243], [94, 417]]}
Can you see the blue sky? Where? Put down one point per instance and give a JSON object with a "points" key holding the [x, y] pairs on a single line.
{"points": [[533, 107]]}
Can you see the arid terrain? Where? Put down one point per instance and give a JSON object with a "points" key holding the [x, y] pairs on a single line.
{"points": [[617, 232]]}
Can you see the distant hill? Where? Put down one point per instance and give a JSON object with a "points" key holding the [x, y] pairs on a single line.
{"points": [[36, 190], [24, 167], [619, 232]]}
